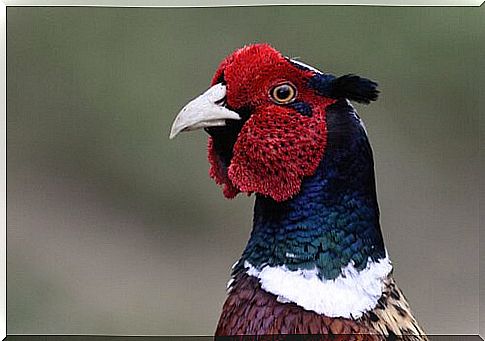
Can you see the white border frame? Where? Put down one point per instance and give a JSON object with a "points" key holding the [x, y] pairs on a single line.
{"points": [[133, 3], [238, 3], [3, 171]]}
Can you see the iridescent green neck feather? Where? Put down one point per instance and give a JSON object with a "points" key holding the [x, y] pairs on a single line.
{"points": [[334, 220]]}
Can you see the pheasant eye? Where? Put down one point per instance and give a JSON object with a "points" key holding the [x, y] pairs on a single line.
{"points": [[283, 93]]}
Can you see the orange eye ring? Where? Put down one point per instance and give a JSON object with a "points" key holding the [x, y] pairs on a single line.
{"points": [[283, 93]]}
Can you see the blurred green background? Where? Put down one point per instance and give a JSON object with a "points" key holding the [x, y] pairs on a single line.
{"points": [[114, 229]]}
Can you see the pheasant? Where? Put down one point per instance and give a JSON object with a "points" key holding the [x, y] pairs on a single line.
{"points": [[315, 262]]}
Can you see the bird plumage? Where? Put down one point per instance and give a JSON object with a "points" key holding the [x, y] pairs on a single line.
{"points": [[315, 262], [250, 310]]}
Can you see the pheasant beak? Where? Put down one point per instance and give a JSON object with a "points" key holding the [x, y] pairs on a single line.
{"points": [[207, 110]]}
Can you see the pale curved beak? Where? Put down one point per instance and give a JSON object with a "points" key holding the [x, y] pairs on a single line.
{"points": [[204, 111]]}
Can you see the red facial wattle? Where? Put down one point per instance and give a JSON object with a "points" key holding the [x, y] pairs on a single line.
{"points": [[219, 172], [275, 150], [277, 146]]}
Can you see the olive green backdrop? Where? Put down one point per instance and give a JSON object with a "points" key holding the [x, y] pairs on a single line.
{"points": [[114, 229]]}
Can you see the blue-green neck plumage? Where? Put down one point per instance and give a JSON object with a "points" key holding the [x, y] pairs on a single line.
{"points": [[334, 220]]}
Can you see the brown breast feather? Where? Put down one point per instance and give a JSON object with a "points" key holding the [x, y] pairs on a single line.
{"points": [[249, 310]]}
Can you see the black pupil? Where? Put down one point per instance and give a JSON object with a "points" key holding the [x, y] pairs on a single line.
{"points": [[283, 92]]}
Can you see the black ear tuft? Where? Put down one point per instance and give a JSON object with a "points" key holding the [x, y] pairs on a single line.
{"points": [[354, 88]]}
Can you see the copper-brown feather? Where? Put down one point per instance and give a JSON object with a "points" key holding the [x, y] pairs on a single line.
{"points": [[249, 310]]}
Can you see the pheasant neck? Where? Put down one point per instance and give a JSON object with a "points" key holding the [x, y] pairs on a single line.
{"points": [[333, 223]]}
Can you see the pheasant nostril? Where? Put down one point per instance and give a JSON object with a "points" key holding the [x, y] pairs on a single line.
{"points": [[222, 102]]}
